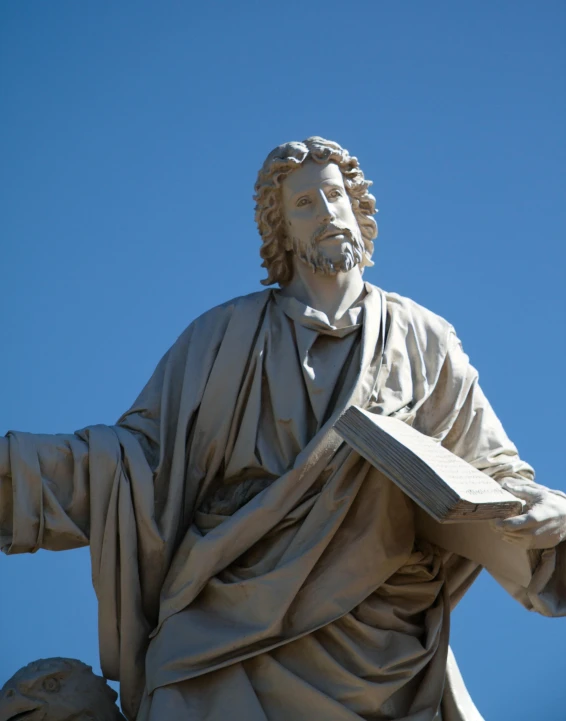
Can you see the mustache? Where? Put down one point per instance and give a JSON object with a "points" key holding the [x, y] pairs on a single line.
{"points": [[312, 253], [330, 229]]}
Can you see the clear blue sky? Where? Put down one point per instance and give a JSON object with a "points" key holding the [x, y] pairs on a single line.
{"points": [[131, 134]]}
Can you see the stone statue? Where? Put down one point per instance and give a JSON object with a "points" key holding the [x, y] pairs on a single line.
{"points": [[58, 689], [247, 563]]}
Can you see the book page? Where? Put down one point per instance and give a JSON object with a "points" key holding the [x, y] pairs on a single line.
{"points": [[470, 484]]}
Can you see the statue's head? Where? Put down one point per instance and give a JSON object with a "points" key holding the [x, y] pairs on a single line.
{"points": [[312, 203]]}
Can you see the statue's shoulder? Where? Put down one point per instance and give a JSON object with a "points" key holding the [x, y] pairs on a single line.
{"points": [[222, 313], [416, 320], [208, 330], [213, 323]]}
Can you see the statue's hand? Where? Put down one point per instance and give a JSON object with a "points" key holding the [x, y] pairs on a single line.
{"points": [[543, 525]]}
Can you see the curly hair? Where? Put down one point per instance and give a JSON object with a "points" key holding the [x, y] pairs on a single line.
{"points": [[269, 209]]}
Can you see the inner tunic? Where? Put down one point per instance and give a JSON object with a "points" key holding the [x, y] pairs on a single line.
{"points": [[304, 364]]}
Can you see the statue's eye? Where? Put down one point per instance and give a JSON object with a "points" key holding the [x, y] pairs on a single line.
{"points": [[51, 684]]}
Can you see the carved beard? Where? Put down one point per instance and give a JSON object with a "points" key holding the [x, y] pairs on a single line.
{"points": [[315, 257]]}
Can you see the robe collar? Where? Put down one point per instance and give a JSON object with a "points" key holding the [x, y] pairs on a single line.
{"points": [[318, 321]]}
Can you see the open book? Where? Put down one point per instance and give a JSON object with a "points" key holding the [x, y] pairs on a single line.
{"points": [[445, 486], [449, 491]]}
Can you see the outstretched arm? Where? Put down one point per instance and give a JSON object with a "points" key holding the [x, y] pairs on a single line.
{"points": [[52, 484], [44, 492]]}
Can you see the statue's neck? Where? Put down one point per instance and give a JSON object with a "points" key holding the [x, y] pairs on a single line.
{"points": [[332, 295]]}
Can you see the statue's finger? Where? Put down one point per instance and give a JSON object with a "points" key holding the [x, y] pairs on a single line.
{"points": [[522, 491], [512, 523]]}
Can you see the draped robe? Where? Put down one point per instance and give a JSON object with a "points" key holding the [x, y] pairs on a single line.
{"points": [[246, 561]]}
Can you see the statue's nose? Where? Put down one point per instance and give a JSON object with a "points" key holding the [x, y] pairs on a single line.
{"points": [[325, 212]]}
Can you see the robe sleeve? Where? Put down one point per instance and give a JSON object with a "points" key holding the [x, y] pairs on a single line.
{"points": [[45, 500], [458, 414], [50, 497]]}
